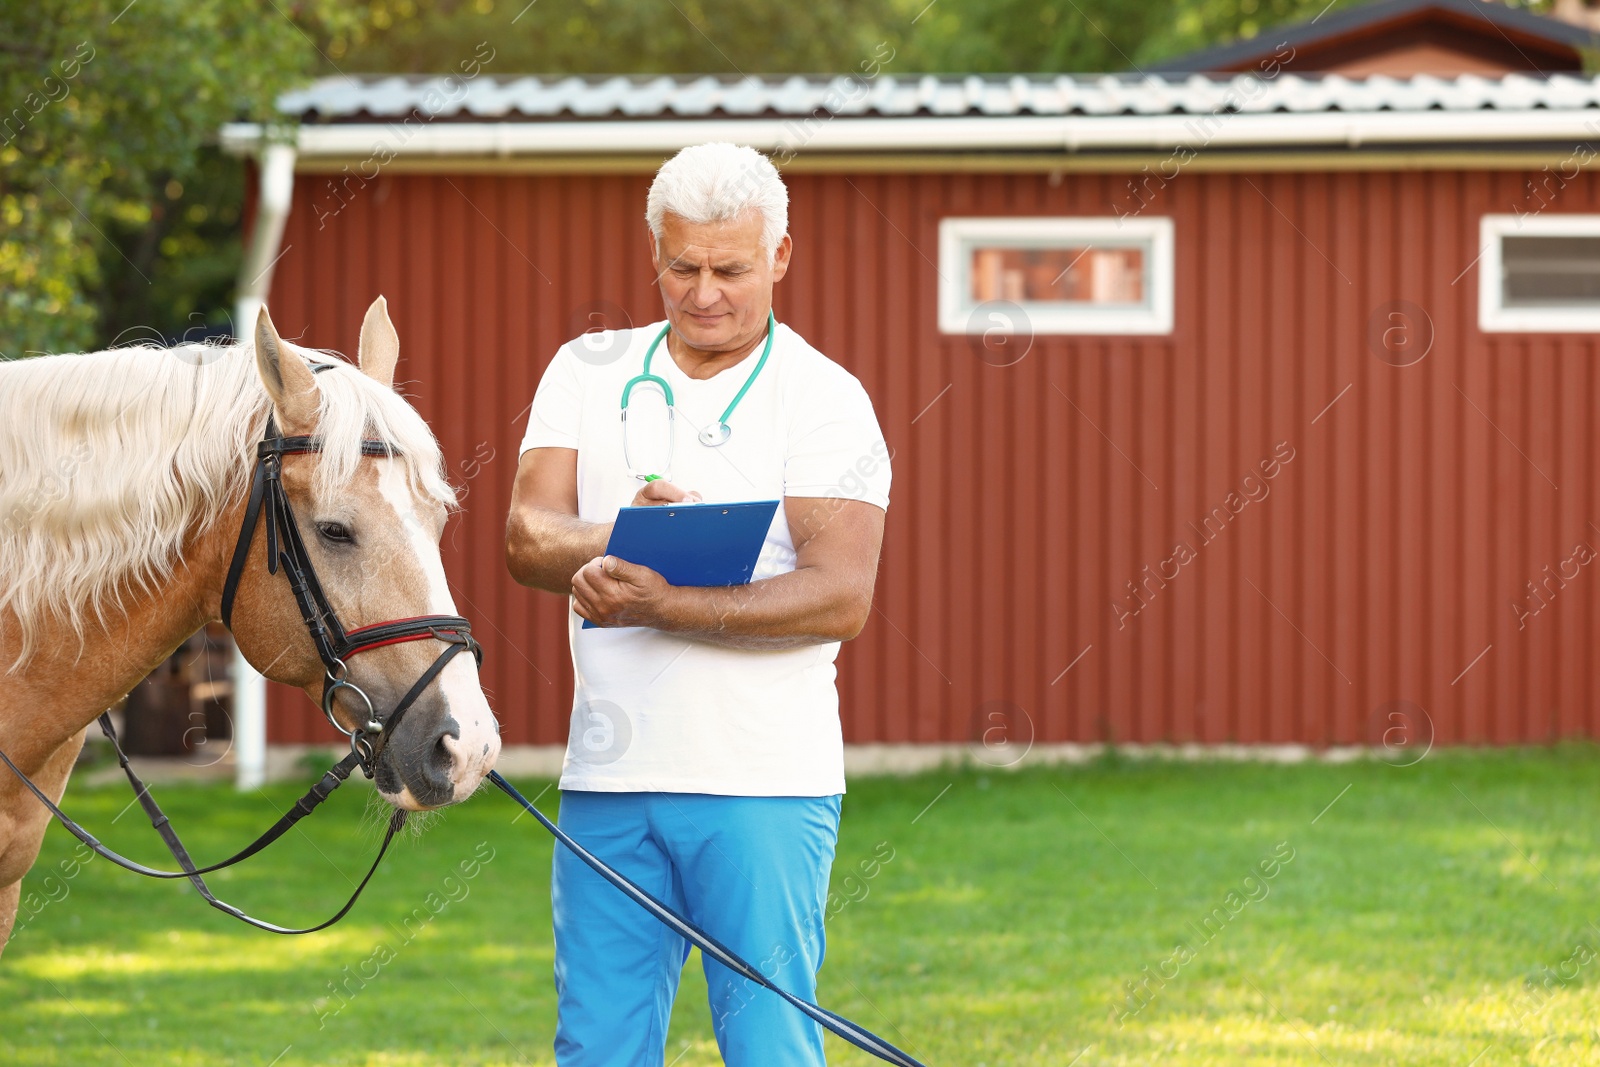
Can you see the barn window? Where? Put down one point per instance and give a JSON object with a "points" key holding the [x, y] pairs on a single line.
{"points": [[1540, 273], [1056, 275]]}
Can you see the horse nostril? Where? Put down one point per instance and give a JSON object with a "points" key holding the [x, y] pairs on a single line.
{"points": [[439, 763], [426, 770]]}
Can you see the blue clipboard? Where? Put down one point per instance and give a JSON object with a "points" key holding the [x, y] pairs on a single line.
{"points": [[693, 544]]}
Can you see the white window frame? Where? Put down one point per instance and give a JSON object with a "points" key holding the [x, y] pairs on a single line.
{"points": [[1494, 316], [957, 236]]}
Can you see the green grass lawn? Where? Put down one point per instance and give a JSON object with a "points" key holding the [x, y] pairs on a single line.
{"points": [[1420, 915]]}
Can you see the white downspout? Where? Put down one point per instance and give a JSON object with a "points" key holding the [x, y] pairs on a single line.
{"points": [[255, 281]]}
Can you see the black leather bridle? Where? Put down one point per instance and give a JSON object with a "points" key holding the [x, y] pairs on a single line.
{"points": [[268, 505]]}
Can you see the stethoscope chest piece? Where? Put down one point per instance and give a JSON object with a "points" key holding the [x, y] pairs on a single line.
{"points": [[715, 434]]}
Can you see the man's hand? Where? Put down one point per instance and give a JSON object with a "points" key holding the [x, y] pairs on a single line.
{"points": [[613, 592], [663, 492]]}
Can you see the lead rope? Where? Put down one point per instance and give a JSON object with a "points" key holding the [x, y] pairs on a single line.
{"points": [[163, 826], [838, 1025], [336, 776]]}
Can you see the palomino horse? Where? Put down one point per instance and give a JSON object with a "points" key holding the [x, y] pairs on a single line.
{"points": [[124, 478]]}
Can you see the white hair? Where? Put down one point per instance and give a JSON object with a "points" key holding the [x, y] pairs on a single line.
{"points": [[110, 461], [717, 182]]}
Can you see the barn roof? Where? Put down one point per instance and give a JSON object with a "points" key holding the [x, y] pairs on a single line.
{"points": [[619, 98], [1055, 120], [1459, 31]]}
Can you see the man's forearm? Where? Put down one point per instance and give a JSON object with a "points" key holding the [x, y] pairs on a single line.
{"points": [[802, 607], [545, 547]]}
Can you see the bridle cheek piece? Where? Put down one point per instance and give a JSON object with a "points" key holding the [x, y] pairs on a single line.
{"points": [[269, 506]]}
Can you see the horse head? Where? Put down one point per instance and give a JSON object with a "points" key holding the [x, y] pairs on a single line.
{"points": [[370, 526]]}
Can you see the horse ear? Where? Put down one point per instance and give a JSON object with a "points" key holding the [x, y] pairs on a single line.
{"points": [[380, 344], [287, 377]]}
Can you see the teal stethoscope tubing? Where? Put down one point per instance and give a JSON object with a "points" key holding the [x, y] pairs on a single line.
{"points": [[710, 436]]}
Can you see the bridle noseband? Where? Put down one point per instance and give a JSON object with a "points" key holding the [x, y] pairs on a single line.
{"points": [[269, 505]]}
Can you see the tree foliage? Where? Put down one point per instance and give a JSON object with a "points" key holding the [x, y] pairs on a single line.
{"points": [[105, 109], [612, 36], [823, 36]]}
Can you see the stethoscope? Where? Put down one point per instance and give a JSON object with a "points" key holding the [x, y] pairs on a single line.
{"points": [[713, 435]]}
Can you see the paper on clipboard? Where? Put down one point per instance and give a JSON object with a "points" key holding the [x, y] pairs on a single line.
{"points": [[693, 544]]}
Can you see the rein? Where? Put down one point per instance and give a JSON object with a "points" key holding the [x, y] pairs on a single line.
{"points": [[268, 505], [158, 819]]}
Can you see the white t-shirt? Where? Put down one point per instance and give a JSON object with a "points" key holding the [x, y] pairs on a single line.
{"points": [[656, 712]]}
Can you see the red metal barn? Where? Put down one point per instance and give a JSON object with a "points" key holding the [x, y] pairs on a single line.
{"points": [[1252, 410]]}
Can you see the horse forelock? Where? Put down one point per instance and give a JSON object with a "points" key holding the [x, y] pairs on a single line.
{"points": [[353, 407], [110, 462]]}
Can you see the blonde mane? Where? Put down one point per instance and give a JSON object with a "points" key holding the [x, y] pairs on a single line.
{"points": [[110, 461]]}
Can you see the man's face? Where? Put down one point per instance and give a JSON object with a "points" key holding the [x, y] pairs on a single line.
{"points": [[716, 279]]}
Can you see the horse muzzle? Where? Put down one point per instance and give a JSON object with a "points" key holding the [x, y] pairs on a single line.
{"points": [[440, 753]]}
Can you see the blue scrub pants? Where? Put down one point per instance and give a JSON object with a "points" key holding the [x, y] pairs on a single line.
{"points": [[751, 871]]}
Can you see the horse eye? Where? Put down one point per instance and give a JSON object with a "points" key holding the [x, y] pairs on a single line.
{"points": [[335, 531]]}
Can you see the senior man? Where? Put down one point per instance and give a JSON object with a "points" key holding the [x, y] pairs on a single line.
{"points": [[705, 759]]}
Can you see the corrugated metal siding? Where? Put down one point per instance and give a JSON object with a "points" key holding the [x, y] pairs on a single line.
{"points": [[1387, 556]]}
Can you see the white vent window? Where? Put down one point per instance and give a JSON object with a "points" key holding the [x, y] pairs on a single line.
{"points": [[1067, 275], [1540, 273]]}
